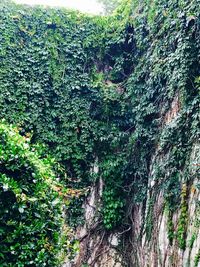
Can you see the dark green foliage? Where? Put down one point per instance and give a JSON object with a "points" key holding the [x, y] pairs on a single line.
{"points": [[149, 224], [172, 198], [167, 54], [53, 81], [191, 241], [197, 259], [44, 65], [31, 222], [183, 219], [75, 212], [101, 89], [113, 204]]}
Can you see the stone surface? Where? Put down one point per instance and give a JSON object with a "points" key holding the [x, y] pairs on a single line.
{"points": [[100, 249]]}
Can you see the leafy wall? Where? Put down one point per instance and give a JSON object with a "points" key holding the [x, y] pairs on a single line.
{"points": [[55, 84], [111, 91]]}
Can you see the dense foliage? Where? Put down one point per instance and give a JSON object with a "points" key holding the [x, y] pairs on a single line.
{"points": [[31, 221], [120, 91], [57, 89]]}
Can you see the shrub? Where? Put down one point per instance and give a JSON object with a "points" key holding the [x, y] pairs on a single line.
{"points": [[31, 211]]}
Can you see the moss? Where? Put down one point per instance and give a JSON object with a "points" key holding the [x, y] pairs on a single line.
{"points": [[197, 259], [149, 223], [183, 219], [191, 241], [172, 201], [170, 229]]}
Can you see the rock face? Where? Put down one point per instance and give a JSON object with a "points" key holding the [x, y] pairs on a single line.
{"points": [[97, 248], [134, 246]]}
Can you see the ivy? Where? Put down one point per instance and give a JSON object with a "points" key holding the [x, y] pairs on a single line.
{"points": [[183, 220], [120, 89]]}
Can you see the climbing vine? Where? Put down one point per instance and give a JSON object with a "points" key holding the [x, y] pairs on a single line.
{"points": [[121, 88]]}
